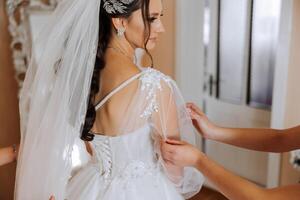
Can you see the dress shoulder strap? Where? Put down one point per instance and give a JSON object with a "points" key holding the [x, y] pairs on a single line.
{"points": [[117, 89]]}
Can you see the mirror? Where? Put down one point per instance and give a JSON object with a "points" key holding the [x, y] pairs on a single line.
{"points": [[25, 21]]}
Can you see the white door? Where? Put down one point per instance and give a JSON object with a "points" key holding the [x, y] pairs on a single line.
{"points": [[240, 39]]}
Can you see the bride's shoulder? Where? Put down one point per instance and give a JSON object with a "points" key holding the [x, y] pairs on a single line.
{"points": [[155, 77], [157, 89]]}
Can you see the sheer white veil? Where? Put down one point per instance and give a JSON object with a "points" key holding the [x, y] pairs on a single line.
{"points": [[54, 99]]}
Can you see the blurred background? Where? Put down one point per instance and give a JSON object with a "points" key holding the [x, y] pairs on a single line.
{"points": [[239, 60]]}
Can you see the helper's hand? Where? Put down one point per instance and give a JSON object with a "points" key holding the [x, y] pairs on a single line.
{"points": [[179, 153], [201, 122]]}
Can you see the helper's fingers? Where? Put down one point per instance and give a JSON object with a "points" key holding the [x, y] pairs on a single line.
{"points": [[165, 147], [194, 108], [168, 157], [174, 142], [195, 116], [168, 161]]}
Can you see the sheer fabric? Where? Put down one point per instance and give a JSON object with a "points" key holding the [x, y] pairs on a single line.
{"points": [[54, 97], [130, 157], [159, 103]]}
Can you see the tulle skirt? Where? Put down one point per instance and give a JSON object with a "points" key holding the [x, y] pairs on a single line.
{"points": [[136, 184]]}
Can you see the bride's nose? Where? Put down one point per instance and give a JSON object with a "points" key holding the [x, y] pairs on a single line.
{"points": [[160, 27]]}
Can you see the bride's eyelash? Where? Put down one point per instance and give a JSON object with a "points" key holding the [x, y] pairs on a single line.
{"points": [[152, 19]]}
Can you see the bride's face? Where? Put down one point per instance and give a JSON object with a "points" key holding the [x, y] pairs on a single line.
{"points": [[135, 27]]}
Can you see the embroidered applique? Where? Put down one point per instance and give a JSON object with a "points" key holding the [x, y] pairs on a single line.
{"points": [[136, 170], [151, 83]]}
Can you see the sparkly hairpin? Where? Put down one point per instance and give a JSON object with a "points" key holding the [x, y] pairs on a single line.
{"points": [[116, 6]]}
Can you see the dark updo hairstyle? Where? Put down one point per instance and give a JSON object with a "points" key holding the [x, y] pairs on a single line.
{"points": [[105, 32]]}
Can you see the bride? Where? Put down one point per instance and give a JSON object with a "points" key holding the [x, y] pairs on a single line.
{"points": [[86, 84]]}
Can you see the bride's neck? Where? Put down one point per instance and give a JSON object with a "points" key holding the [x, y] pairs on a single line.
{"points": [[119, 57], [122, 46], [117, 63]]}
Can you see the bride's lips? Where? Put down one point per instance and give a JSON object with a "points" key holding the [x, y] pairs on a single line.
{"points": [[153, 39]]}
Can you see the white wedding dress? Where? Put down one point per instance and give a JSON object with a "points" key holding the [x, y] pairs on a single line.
{"points": [[129, 166], [53, 106]]}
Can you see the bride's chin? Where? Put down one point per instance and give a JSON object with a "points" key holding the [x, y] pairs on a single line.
{"points": [[151, 45]]}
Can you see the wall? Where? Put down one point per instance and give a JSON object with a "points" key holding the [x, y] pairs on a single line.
{"points": [[292, 115], [163, 54], [9, 120], [190, 49]]}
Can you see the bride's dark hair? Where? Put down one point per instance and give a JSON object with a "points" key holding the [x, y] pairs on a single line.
{"points": [[105, 32]]}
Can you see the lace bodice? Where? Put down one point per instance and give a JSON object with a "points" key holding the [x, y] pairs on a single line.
{"points": [[125, 157]]}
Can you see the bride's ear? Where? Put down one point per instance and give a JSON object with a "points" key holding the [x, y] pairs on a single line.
{"points": [[119, 23]]}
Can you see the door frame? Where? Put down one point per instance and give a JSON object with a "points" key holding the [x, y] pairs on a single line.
{"points": [[189, 52], [193, 62], [280, 87]]}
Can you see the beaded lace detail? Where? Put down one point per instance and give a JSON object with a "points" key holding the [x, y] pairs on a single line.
{"points": [[103, 154], [135, 170], [151, 83]]}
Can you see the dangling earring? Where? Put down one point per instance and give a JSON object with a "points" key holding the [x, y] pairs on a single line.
{"points": [[120, 31]]}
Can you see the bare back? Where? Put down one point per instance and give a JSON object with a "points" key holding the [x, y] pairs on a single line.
{"points": [[111, 113]]}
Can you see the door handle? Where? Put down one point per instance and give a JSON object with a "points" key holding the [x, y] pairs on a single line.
{"points": [[211, 84]]}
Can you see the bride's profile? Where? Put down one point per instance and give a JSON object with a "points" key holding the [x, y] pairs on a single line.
{"points": [[86, 84]]}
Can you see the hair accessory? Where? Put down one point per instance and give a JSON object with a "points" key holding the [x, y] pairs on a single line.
{"points": [[116, 6]]}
